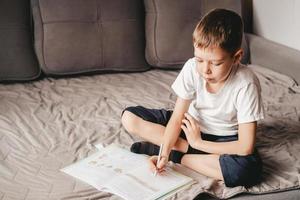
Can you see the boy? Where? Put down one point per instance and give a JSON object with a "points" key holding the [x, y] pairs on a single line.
{"points": [[213, 126]]}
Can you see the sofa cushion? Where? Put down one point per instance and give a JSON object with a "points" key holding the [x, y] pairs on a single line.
{"points": [[169, 28], [74, 36], [17, 58]]}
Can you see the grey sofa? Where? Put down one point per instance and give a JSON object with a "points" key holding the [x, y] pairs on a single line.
{"points": [[64, 82], [115, 36]]}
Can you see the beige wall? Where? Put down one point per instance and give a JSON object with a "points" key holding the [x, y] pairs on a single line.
{"points": [[278, 20]]}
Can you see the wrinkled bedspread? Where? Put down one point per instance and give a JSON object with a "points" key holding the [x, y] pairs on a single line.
{"points": [[51, 123]]}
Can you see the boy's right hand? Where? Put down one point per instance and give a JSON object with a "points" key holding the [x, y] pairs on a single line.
{"points": [[159, 167]]}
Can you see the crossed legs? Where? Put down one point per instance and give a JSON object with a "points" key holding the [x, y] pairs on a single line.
{"points": [[206, 164]]}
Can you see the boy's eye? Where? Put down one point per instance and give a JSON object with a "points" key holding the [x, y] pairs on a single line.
{"points": [[217, 64]]}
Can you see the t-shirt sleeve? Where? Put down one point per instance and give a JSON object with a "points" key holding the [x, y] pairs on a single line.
{"points": [[249, 104], [184, 84]]}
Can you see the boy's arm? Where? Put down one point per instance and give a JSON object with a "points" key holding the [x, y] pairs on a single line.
{"points": [[243, 146], [173, 127]]}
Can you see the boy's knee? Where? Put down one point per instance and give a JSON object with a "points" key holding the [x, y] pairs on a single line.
{"points": [[246, 179], [241, 170], [129, 121]]}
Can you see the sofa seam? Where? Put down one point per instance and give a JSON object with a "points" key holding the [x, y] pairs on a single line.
{"points": [[88, 21], [116, 69], [155, 24], [5, 78], [100, 29]]}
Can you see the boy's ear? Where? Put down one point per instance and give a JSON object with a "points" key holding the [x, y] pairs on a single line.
{"points": [[238, 56]]}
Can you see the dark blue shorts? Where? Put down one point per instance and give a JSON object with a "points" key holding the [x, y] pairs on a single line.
{"points": [[237, 170]]}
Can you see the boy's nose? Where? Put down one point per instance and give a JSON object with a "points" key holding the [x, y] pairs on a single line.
{"points": [[206, 68]]}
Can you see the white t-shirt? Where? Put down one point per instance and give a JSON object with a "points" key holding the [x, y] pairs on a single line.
{"points": [[238, 101]]}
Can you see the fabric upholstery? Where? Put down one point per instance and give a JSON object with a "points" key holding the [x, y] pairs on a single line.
{"points": [[275, 56], [169, 28], [17, 58], [49, 124], [74, 36]]}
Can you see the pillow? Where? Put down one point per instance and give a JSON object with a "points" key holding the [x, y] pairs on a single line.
{"points": [[74, 36], [17, 58], [169, 28]]}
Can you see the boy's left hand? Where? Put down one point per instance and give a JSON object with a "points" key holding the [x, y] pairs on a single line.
{"points": [[191, 129]]}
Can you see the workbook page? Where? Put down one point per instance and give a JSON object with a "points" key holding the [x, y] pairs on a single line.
{"points": [[140, 183], [99, 168], [125, 174]]}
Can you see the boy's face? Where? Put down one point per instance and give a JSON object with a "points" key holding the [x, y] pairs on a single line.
{"points": [[214, 64]]}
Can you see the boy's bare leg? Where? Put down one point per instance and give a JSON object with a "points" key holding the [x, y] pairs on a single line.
{"points": [[206, 164], [149, 131]]}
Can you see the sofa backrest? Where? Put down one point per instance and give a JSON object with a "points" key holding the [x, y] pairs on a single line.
{"points": [[169, 28], [79, 36], [75, 36], [17, 58]]}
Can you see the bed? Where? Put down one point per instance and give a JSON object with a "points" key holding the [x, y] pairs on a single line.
{"points": [[51, 123]]}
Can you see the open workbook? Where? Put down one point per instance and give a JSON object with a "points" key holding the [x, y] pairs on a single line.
{"points": [[118, 171]]}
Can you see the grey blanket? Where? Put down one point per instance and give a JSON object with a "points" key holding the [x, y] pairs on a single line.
{"points": [[48, 124]]}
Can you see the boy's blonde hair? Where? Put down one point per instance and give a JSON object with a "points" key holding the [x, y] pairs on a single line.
{"points": [[221, 28]]}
